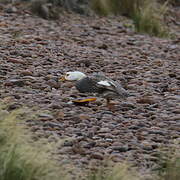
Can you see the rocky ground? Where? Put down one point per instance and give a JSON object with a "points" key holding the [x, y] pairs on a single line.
{"points": [[35, 52]]}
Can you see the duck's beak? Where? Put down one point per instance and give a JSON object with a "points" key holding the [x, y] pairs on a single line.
{"points": [[62, 79]]}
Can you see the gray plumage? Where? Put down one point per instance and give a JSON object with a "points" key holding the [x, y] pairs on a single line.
{"points": [[108, 89]]}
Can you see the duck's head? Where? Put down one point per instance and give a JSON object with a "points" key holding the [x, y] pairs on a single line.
{"points": [[72, 76]]}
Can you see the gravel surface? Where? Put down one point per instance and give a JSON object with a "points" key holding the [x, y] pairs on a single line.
{"points": [[34, 53]]}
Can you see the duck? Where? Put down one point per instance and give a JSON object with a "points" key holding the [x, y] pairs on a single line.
{"points": [[97, 83]]}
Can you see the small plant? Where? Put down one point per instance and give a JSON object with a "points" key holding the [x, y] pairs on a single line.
{"points": [[148, 15], [121, 171], [20, 157], [168, 164], [149, 19], [101, 7]]}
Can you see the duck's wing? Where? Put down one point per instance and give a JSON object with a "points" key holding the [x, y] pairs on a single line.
{"points": [[106, 85], [102, 82], [113, 86]]}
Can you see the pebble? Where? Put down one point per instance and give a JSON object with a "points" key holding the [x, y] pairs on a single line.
{"points": [[121, 148], [96, 155], [11, 9], [146, 146], [104, 130], [128, 105], [29, 78], [145, 100], [56, 106], [52, 124], [68, 143], [89, 144], [44, 115], [84, 117], [159, 132], [17, 82], [26, 73]]}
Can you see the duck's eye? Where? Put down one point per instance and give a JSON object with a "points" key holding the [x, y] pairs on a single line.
{"points": [[67, 75]]}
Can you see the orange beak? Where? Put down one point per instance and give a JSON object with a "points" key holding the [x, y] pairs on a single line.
{"points": [[62, 79]]}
